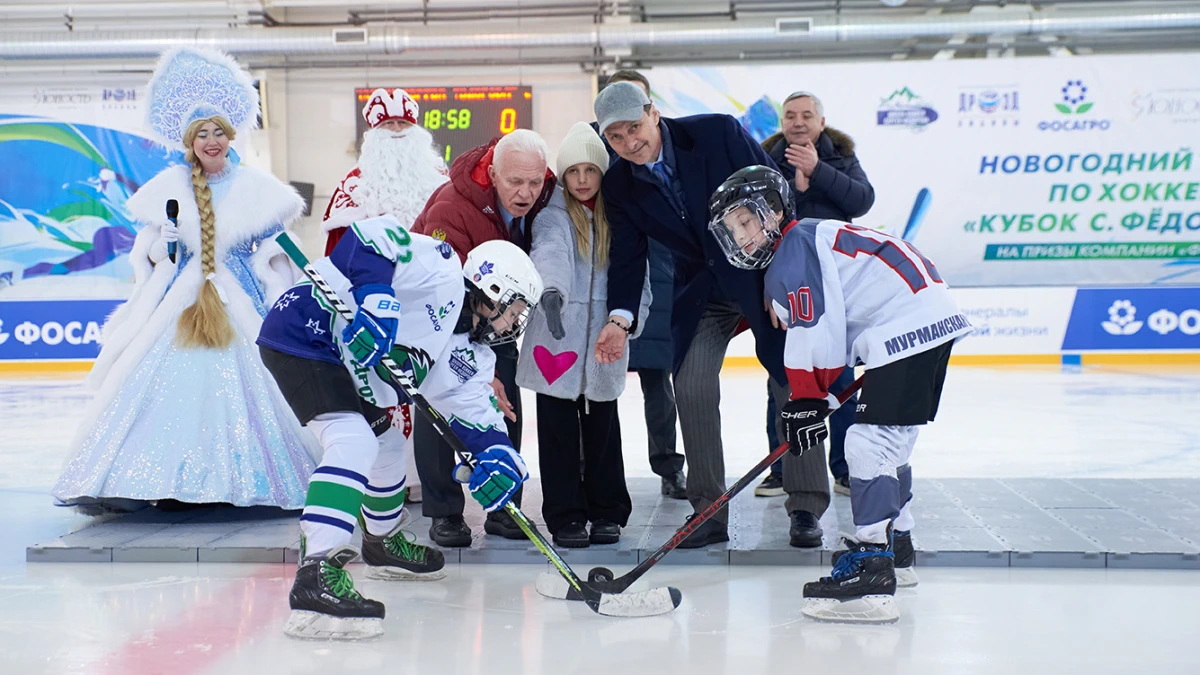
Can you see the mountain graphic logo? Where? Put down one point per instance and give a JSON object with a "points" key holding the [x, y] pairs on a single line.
{"points": [[904, 108]]}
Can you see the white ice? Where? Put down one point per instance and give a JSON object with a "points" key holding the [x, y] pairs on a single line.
{"points": [[226, 619]]}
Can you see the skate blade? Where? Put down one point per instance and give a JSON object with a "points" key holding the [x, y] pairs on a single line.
{"points": [[867, 609], [316, 626], [388, 573], [906, 577]]}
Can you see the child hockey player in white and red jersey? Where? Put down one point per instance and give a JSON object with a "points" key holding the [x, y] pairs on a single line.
{"points": [[849, 296], [408, 291]]}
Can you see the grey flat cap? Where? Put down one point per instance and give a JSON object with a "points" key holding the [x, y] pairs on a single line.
{"points": [[620, 102]]}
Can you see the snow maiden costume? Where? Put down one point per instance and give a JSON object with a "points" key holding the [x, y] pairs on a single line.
{"points": [[184, 408]]}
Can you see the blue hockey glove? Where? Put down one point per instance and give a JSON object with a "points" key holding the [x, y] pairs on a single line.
{"points": [[804, 423], [499, 471], [376, 324]]}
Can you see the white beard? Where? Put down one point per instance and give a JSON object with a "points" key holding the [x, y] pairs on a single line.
{"points": [[398, 173]]}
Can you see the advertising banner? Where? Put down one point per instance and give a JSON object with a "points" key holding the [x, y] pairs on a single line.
{"points": [[70, 157], [1005, 172], [64, 329], [1134, 319]]}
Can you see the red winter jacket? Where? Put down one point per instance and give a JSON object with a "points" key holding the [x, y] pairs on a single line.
{"points": [[463, 212]]}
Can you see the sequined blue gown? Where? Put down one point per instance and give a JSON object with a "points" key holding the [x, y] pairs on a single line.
{"points": [[196, 425]]}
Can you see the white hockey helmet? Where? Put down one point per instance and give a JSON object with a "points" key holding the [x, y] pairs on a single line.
{"points": [[501, 278]]}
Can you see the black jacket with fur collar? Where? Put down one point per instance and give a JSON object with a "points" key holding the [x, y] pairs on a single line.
{"points": [[838, 188]]}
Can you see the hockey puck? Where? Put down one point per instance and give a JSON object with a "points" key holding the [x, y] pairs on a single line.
{"points": [[600, 575]]}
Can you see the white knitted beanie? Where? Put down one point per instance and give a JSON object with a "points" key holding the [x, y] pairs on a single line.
{"points": [[581, 145]]}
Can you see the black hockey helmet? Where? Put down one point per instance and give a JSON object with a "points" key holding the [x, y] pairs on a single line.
{"points": [[746, 213]]}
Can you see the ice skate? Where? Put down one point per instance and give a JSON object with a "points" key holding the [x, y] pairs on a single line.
{"points": [[325, 605], [905, 559], [398, 556], [859, 590]]}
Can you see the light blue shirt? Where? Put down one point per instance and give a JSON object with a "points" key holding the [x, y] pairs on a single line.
{"points": [[508, 218]]}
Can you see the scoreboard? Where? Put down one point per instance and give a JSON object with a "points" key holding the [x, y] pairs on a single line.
{"points": [[462, 118]]}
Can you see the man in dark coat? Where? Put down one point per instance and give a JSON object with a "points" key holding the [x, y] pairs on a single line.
{"points": [[830, 184], [495, 192], [820, 163], [659, 189], [651, 356]]}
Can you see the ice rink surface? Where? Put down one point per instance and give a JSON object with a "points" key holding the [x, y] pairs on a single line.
{"points": [[179, 619]]}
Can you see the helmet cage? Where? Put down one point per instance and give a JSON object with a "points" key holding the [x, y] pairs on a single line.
{"points": [[763, 251], [484, 331]]}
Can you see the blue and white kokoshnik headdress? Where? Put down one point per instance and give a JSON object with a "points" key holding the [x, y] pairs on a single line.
{"points": [[189, 84]]}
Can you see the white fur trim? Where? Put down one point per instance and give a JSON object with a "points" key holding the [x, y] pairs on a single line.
{"points": [[344, 217], [257, 198], [257, 202]]}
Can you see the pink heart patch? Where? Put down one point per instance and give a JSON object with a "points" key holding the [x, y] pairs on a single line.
{"points": [[553, 365]]}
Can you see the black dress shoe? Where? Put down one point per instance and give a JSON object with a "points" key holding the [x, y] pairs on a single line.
{"points": [[605, 532], [450, 532], [675, 486], [806, 530], [501, 524], [709, 532], [571, 535]]}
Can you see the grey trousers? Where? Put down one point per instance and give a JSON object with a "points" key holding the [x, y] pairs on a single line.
{"points": [[659, 396], [698, 397]]}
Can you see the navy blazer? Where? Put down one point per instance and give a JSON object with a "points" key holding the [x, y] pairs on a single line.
{"points": [[708, 149]]}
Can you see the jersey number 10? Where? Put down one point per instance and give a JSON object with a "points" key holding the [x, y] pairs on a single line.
{"points": [[888, 250]]}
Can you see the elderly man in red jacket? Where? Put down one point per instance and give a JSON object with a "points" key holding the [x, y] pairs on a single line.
{"points": [[495, 192]]}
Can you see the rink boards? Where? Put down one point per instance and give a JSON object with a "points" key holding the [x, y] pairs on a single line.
{"points": [[1017, 522]]}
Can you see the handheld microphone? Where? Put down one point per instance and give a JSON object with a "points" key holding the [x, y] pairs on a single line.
{"points": [[172, 215]]}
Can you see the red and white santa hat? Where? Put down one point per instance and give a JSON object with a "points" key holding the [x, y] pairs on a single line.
{"points": [[383, 106]]}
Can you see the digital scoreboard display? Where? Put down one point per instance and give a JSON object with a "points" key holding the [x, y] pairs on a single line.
{"points": [[462, 118]]}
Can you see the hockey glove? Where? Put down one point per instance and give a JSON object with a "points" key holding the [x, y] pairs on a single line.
{"points": [[376, 324], [551, 306], [499, 471], [804, 423]]}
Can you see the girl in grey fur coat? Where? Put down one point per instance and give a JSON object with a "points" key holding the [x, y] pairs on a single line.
{"points": [[576, 395]]}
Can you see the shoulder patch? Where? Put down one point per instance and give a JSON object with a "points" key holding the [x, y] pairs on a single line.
{"points": [[462, 362], [438, 234], [444, 248]]}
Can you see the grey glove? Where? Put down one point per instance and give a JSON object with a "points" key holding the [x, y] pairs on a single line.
{"points": [[551, 306]]}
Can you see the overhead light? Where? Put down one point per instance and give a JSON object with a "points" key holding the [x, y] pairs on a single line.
{"points": [[893, 3]]}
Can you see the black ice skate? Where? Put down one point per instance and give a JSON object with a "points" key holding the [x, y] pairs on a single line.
{"points": [[906, 560], [905, 556], [859, 590], [325, 605], [397, 557]]}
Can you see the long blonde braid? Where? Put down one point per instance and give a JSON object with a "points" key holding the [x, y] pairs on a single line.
{"points": [[205, 323]]}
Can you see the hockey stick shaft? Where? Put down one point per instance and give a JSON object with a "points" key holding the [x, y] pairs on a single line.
{"points": [[624, 582], [439, 423]]}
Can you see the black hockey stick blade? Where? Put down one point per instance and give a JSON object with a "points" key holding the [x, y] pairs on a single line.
{"points": [[601, 579]]}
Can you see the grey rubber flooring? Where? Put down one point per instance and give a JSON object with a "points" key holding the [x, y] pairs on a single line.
{"points": [[1015, 522]]}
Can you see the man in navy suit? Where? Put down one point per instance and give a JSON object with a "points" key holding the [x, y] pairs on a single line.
{"points": [[659, 189]]}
